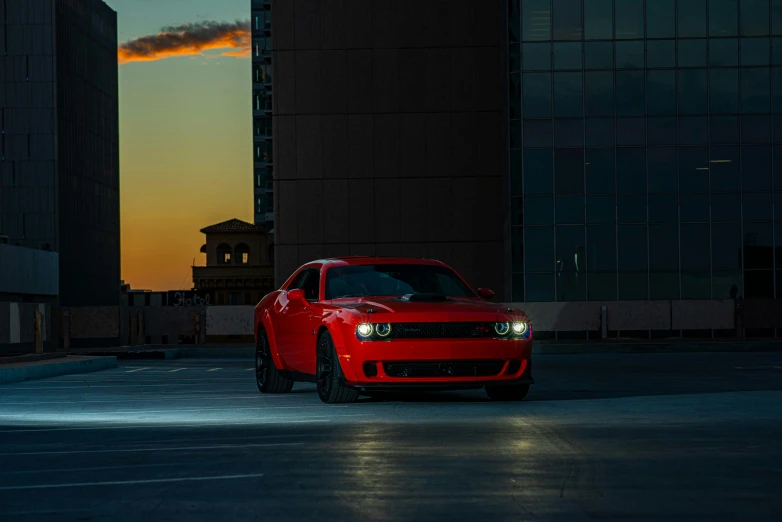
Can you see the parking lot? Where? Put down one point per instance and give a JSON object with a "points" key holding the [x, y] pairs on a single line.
{"points": [[620, 437]]}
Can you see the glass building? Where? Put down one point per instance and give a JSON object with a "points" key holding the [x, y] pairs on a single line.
{"points": [[263, 170], [645, 149]]}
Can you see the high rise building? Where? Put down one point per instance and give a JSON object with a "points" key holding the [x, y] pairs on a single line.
{"points": [[59, 161], [611, 152], [263, 168], [644, 149]]}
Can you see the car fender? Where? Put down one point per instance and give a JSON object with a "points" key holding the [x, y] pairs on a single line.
{"points": [[266, 322], [335, 324]]}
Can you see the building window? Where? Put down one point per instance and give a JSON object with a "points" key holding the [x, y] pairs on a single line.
{"points": [[242, 252], [223, 254]]}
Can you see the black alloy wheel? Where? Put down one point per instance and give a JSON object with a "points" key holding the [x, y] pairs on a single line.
{"points": [[267, 378], [328, 374]]}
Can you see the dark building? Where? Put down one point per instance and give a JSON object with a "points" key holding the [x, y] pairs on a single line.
{"points": [[263, 165], [645, 149], [59, 166], [388, 132]]}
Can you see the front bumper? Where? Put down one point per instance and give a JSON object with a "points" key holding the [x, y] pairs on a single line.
{"points": [[436, 363]]}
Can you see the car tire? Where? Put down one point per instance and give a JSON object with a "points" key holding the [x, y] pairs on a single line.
{"points": [[328, 373], [267, 378], [507, 393]]}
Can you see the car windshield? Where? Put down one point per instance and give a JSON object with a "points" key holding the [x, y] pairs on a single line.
{"points": [[393, 280]]}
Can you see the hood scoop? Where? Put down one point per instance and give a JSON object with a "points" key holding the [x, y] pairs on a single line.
{"points": [[424, 298]]}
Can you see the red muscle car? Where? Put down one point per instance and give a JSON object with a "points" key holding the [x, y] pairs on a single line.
{"points": [[357, 324]]}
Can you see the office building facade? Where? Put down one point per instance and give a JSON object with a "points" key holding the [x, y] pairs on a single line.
{"points": [[263, 164], [59, 166], [645, 146]]}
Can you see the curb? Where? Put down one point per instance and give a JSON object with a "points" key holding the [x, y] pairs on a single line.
{"points": [[55, 368]]}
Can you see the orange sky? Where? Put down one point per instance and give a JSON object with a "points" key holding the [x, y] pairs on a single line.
{"points": [[185, 151]]}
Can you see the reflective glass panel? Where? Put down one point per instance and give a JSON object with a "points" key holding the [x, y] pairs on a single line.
{"points": [[632, 247], [567, 20], [568, 133], [692, 18], [758, 246], [754, 17], [599, 55], [536, 19], [661, 87], [630, 55], [664, 247], [536, 57], [723, 18], [539, 257], [692, 53], [537, 95], [663, 208], [695, 246], [662, 169], [539, 287], [725, 169], [629, 19], [757, 206], [602, 247], [538, 210], [726, 247], [600, 171], [724, 52], [660, 19], [724, 129], [631, 209], [692, 91], [570, 210], [568, 94], [537, 133], [693, 169], [725, 208], [538, 171], [756, 167], [567, 56], [755, 51], [661, 131], [601, 209], [598, 19], [755, 90], [599, 132], [724, 85], [599, 93], [631, 170], [630, 95], [630, 131], [601, 286], [569, 165], [661, 53]]}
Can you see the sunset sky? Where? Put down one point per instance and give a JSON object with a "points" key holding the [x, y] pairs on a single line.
{"points": [[185, 141]]}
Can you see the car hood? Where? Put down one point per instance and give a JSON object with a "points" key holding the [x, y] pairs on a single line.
{"points": [[454, 309]]}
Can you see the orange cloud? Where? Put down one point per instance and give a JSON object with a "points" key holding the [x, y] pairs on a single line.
{"points": [[189, 39]]}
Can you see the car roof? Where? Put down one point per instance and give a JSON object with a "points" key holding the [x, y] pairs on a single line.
{"points": [[377, 260]]}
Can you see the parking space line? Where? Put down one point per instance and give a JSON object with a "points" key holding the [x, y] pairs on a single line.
{"points": [[168, 448], [176, 370], [214, 369], [130, 482], [222, 424], [137, 370]]}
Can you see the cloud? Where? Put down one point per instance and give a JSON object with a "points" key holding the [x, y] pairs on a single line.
{"points": [[189, 39]]}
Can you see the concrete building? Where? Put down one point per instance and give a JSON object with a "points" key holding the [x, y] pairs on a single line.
{"points": [[59, 161], [263, 164], [389, 133], [239, 266]]}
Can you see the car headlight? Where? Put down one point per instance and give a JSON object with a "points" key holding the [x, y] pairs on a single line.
{"points": [[383, 329], [502, 328], [520, 328], [364, 329]]}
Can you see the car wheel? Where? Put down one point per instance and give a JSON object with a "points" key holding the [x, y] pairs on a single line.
{"points": [[328, 373], [507, 393], [267, 377]]}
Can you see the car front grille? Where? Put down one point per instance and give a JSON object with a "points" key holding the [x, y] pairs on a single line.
{"points": [[442, 330], [477, 368]]}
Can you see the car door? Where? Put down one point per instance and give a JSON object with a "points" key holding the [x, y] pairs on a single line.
{"points": [[295, 318]]}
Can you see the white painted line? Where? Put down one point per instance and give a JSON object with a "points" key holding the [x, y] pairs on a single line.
{"points": [[177, 370], [130, 482], [162, 398], [170, 448], [190, 426], [214, 369], [249, 369], [140, 411], [137, 370]]}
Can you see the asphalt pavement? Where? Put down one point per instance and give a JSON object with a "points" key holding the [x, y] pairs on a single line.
{"points": [[690, 437]]}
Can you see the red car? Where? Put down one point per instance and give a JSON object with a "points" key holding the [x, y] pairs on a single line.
{"points": [[354, 325]]}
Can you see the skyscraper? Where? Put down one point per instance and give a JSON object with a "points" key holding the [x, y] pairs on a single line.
{"points": [[263, 169], [59, 160]]}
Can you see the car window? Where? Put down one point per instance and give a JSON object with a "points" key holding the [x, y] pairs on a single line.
{"points": [[298, 280], [312, 285], [393, 280]]}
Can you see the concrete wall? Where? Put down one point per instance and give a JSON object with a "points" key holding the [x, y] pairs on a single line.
{"points": [[229, 320], [17, 327], [28, 271], [388, 133]]}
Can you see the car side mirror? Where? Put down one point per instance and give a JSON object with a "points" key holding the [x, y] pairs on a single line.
{"points": [[486, 293], [297, 294]]}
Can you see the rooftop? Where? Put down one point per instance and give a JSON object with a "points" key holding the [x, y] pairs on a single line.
{"points": [[233, 225]]}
